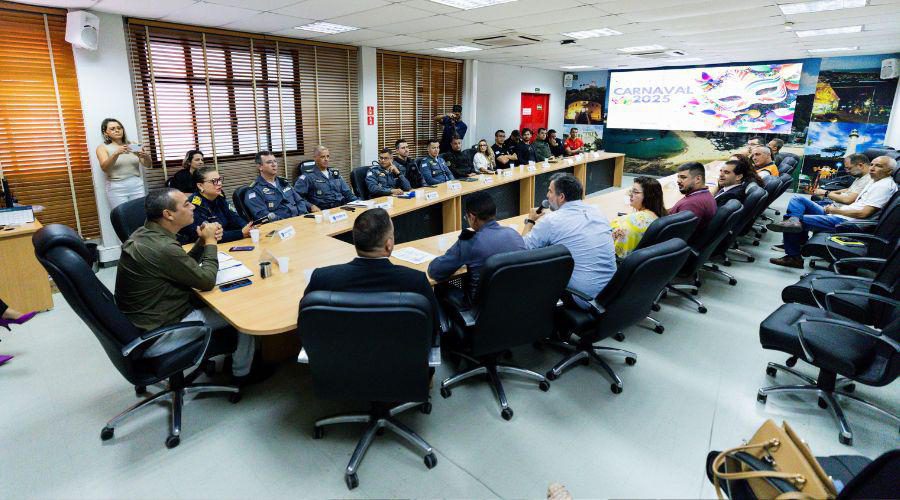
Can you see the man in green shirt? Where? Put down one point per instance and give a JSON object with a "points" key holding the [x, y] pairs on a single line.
{"points": [[155, 278], [541, 146]]}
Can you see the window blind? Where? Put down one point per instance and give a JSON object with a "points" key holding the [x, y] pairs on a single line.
{"points": [[43, 146], [231, 95], [412, 90]]}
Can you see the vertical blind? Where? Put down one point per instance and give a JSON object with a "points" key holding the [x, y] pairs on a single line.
{"points": [[231, 95], [43, 147], [412, 90]]}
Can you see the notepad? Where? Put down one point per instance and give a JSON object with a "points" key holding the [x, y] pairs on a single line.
{"points": [[234, 273], [16, 215], [413, 255]]}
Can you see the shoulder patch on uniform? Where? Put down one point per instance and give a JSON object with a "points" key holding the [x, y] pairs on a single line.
{"points": [[196, 200], [370, 174], [253, 184], [303, 177], [251, 196]]}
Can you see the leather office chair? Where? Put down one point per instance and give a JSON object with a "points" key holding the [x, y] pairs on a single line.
{"points": [[127, 217], [873, 153], [771, 184], [518, 292], [885, 226], [369, 347], [745, 231], [787, 165], [304, 167], [702, 246], [752, 204], [65, 257], [837, 346], [239, 197], [785, 182], [625, 301], [358, 182]]}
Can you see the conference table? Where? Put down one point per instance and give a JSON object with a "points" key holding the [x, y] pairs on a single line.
{"points": [[269, 307]]}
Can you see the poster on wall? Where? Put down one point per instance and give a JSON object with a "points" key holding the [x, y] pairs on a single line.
{"points": [[586, 98], [829, 143], [758, 98]]}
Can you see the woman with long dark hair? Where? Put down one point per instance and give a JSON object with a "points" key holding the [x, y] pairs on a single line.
{"points": [[121, 160], [646, 198], [746, 169], [183, 180]]}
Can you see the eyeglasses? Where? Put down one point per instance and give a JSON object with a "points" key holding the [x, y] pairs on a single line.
{"points": [[632, 192], [217, 181]]}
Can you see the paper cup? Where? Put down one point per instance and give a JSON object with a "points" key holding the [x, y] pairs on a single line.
{"points": [[307, 273], [445, 242], [318, 218], [283, 264], [254, 235]]}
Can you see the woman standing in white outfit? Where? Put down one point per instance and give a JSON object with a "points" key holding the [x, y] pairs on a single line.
{"points": [[122, 164]]}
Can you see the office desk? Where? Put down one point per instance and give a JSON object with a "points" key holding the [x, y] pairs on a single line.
{"points": [[24, 283], [269, 306]]}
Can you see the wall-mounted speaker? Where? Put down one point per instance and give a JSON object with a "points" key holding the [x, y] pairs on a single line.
{"points": [[890, 68], [82, 29]]}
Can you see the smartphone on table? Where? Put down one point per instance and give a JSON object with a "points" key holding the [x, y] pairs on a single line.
{"points": [[234, 284]]}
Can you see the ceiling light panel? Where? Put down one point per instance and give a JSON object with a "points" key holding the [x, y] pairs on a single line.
{"points": [[829, 31], [471, 4], [833, 49], [329, 28], [642, 48], [581, 35], [459, 48], [790, 9]]}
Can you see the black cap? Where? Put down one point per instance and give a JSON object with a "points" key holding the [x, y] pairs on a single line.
{"points": [[457, 108]]}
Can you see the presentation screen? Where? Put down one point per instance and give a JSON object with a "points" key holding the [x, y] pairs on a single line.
{"points": [[757, 98]]}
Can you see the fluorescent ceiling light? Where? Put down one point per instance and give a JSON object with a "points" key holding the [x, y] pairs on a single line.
{"points": [[576, 67], [459, 48], [471, 4], [323, 27], [830, 31], [581, 35], [833, 49], [642, 48], [789, 9]]}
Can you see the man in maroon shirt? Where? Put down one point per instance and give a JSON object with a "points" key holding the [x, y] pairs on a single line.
{"points": [[691, 180]]}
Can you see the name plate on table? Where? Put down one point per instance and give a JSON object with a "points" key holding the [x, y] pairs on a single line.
{"points": [[433, 195], [532, 168], [545, 165], [384, 204], [286, 233], [337, 216], [506, 173], [451, 186], [569, 162], [485, 179], [595, 154]]}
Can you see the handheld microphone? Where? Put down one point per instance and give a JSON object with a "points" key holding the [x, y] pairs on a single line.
{"points": [[544, 204], [264, 220]]}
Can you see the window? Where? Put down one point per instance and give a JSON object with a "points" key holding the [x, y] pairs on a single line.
{"points": [[412, 90], [43, 146], [231, 95]]}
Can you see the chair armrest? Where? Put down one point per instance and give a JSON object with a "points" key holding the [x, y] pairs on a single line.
{"points": [[468, 317], [442, 320], [147, 337], [870, 263], [862, 224], [871, 296], [862, 236], [812, 284], [596, 308], [836, 327]]}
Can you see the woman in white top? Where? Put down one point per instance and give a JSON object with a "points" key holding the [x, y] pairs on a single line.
{"points": [[484, 157], [121, 162]]}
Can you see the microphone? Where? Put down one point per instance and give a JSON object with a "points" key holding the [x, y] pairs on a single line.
{"points": [[544, 204], [265, 220]]}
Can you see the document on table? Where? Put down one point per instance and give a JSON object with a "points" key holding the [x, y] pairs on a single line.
{"points": [[413, 255], [234, 273], [16, 215], [226, 261]]}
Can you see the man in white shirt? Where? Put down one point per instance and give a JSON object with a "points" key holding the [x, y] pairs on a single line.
{"points": [[872, 199], [858, 166]]}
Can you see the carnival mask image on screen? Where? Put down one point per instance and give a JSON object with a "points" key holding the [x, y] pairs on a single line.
{"points": [[759, 98]]}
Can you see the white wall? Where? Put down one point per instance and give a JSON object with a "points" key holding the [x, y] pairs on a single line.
{"points": [[498, 97], [368, 96], [104, 81], [892, 136]]}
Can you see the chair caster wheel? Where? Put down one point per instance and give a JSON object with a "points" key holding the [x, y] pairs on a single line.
{"points": [[770, 371], [380, 431], [630, 361], [756, 242], [426, 408], [140, 390], [430, 460], [209, 368], [727, 263], [544, 385], [701, 310], [507, 414], [751, 259], [352, 481], [761, 398], [850, 388], [732, 282], [655, 307], [318, 432], [587, 361], [791, 362], [659, 329], [823, 404], [615, 388], [845, 439], [445, 393], [234, 397], [107, 433], [620, 337], [172, 441], [550, 375]]}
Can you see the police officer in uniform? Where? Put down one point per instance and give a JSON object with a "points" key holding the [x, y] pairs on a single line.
{"points": [[434, 170], [484, 237], [211, 206], [503, 155], [385, 179], [324, 188], [459, 163], [270, 194], [406, 164]]}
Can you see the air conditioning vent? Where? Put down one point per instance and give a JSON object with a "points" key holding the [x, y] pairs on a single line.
{"points": [[509, 40], [659, 54]]}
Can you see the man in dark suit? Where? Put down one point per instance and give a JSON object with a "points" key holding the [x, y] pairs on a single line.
{"points": [[372, 271], [734, 179]]}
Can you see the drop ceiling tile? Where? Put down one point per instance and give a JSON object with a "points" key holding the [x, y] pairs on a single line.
{"points": [[469, 30], [394, 14], [64, 4], [147, 10], [329, 9], [267, 22], [264, 5], [395, 40], [515, 9], [208, 14], [435, 25], [437, 8], [729, 7], [358, 37]]}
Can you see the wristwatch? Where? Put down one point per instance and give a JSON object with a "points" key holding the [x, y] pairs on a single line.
{"points": [[529, 221]]}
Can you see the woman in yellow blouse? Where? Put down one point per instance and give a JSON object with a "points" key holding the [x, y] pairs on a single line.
{"points": [[647, 199]]}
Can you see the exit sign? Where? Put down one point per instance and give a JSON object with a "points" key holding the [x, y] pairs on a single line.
{"points": [[537, 90]]}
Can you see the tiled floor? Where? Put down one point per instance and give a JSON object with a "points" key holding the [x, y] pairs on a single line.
{"points": [[692, 390]]}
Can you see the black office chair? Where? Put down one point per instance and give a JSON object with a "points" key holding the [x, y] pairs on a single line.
{"points": [[65, 257], [873, 153], [837, 346], [414, 174], [369, 347], [771, 184], [127, 217], [702, 246], [754, 199], [625, 301], [861, 477], [885, 227], [744, 232], [785, 182], [358, 182], [239, 198], [787, 165], [304, 167], [518, 292]]}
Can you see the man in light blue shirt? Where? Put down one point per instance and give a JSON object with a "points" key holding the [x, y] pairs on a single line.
{"points": [[581, 228]]}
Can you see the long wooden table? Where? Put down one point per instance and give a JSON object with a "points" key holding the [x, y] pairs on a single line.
{"points": [[269, 306], [24, 284]]}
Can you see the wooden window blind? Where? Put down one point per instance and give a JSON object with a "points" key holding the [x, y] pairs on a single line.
{"points": [[43, 146], [232, 94], [412, 90]]}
